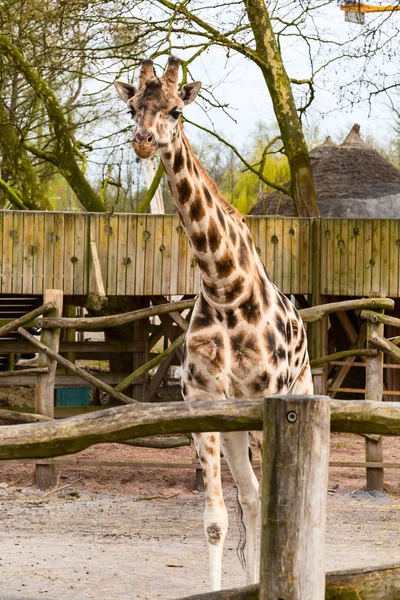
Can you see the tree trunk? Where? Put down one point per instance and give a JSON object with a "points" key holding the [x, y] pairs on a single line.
{"points": [[279, 87], [63, 157], [19, 167]]}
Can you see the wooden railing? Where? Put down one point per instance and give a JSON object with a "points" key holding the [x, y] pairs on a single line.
{"points": [[296, 434]]}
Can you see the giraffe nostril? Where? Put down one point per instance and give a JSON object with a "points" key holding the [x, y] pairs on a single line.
{"points": [[150, 138]]}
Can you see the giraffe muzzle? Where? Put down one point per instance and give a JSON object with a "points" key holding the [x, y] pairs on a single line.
{"points": [[144, 144]]}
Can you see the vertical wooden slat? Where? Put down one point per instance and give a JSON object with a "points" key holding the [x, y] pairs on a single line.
{"points": [[262, 239], [69, 247], [182, 261], [295, 258], [18, 252], [304, 257], [336, 226], [328, 236], [367, 256], [351, 258], [158, 255], [122, 251], [286, 255], [176, 231], [375, 258], [150, 239], [343, 244], [270, 248], [131, 255], [384, 251], [80, 257], [393, 264], [102, 247], [48, 252], [278, 252], [37, 287], [140, 257], [166, 252], [359, 278], [112, 257], [29, 250], [8, 232], [59, 251]]}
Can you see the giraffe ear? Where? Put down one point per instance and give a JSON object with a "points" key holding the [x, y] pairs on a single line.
{"points": [[125, 90], [189, 91]]}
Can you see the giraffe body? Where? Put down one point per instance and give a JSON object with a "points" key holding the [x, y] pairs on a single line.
{"points": [[245, 338]]}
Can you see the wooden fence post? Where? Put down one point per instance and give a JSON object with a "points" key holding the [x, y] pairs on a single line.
{"points": [[374, 391], [44, 392], [294, 492]]}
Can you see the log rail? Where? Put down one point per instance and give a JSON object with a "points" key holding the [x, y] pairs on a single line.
{"points": [[295, 477]]}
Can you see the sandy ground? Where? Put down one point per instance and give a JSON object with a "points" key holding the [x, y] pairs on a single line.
{"points": [[119, 533]]}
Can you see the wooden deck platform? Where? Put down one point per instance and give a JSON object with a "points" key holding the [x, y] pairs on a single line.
{"points": [[143, 255]]}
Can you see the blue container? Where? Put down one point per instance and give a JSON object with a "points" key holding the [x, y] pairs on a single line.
{"points": [[77, 396]]}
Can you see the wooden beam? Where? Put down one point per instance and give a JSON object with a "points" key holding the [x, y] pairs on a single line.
{"points": [[315, 313], [378, 341], [374, 391], [318, 362], [10, 417], [100, 323], [368, 583], [375, 317], [55, 438], [77, 370], [44, 390], [22, 372], [293, 514], [97, 294]]}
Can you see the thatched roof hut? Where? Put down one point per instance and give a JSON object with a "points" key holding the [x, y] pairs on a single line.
{"points": [[351, 180]]}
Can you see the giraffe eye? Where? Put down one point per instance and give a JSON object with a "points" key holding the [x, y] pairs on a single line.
{"points": [[132, 112], [175, 114]]}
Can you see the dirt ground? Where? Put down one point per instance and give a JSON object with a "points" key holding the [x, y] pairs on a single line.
{"points": [[118, 533]]}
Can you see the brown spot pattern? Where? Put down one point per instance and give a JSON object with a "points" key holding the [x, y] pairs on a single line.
{"points": [[214, 236], [235, 289], [199, 241], [178, 161], [225, 265], [184, 190], [207, 195], [250, 309], [197, 211]]}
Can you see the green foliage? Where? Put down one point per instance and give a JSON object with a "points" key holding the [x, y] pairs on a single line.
{"points": [[242, 188]]}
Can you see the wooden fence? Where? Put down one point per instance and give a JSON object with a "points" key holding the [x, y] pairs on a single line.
{"points": [[48, 319], [147, 255], [293, 498]]}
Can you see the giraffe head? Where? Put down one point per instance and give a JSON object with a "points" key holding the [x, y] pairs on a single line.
{"points": [[156, 106]]}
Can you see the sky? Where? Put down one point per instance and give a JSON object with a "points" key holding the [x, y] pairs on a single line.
{"points": [[245, 91]]}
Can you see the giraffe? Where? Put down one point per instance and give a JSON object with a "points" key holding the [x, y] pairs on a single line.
{"points": [[245, 339]]}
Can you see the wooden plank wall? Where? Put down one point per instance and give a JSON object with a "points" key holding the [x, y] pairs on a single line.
{"points": [[360, 256], [149, 254]]}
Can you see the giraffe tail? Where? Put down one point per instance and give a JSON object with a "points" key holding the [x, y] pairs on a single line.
{"points": [[240, 550]]}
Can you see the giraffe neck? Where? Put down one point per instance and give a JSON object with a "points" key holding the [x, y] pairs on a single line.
{"points": [[221, 241]]}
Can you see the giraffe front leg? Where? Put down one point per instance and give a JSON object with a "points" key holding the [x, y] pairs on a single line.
{"points": [[215, 513], [236, 450]]}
